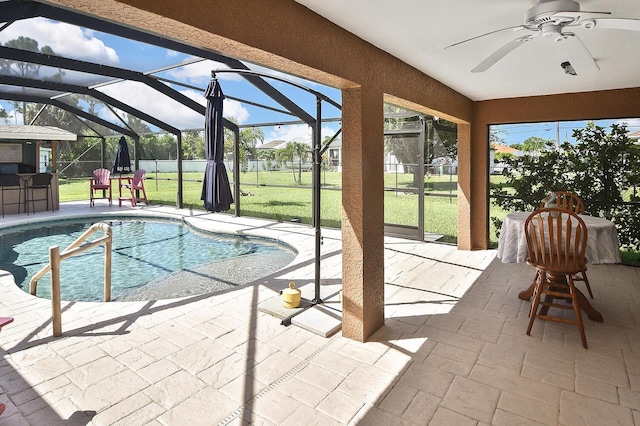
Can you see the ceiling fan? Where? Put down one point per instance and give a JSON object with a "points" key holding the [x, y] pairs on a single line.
{"points": [[555, 20]]}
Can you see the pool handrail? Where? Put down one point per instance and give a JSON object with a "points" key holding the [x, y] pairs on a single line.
{"points": [[55, 256]]}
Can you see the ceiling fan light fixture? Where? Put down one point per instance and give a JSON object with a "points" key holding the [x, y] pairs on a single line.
{"points": [[568, 68]]}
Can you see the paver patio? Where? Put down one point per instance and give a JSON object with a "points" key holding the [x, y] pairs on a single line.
{"points": [[453, 349]]}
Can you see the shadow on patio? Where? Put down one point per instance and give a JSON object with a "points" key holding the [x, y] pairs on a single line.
{"points": [[453, 350]]}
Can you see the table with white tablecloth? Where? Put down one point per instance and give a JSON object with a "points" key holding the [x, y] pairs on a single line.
{"points": [[602, 247], [602, 240]]}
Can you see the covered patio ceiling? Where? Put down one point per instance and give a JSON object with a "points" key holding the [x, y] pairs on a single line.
{"points": [[418, 33], [119, 90]]}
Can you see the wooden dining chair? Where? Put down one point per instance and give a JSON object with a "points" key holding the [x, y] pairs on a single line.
{"points": [[556, 246], [570, 201], [100, 181]]}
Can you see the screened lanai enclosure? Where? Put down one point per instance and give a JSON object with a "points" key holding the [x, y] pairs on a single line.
{"points": [[102, 80], [107, 81], [420, 176]]}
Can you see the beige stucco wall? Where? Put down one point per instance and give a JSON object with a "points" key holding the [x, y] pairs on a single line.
{"points": [[286, 36]]}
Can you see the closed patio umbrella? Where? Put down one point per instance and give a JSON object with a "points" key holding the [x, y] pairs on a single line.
{"points": [[216, 191], [122, 162]]}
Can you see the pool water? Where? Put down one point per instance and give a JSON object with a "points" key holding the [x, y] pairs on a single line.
{"points": [[143, 253]]}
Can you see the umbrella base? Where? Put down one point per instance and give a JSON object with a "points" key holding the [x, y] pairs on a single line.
{"points": [[323, 319]]}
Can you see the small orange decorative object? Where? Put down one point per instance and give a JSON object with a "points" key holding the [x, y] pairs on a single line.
{"points": [[291, 296]]}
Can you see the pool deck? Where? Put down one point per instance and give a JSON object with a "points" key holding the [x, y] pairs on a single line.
{"points": [[453, 349]]}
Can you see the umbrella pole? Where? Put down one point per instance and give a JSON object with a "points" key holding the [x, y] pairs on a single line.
{"points": [[236, 171], [317, 134]]}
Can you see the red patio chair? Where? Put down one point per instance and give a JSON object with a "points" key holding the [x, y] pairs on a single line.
{"points": [[101, 181], [135, 185]]}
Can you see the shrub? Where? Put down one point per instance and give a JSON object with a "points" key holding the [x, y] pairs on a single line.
{"points": [[602, 168]]}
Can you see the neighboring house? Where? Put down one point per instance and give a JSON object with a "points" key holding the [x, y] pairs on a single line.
{"points": [[276, 144], [499, 167], [634, 136], [334, 152], [335, 155]]}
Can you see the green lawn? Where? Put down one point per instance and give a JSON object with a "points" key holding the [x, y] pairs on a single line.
{"points": [[285, 200], [289, 201]]}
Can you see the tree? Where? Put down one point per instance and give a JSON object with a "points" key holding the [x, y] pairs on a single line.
{"points": [[137, 125], [606, 167], [601, 168], [192, 145], [502, 156], [25, 70], [294, 151], [440, 139], [495, 136], [158, 147], [249, 138], [535, 144]]}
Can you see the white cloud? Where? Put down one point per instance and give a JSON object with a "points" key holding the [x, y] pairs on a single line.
{"points": [[155, 104], [231, 109], [66, 40], [296, 132], [200, 72], [293, 78], [234, 109], [633, 124], [142, 97]]}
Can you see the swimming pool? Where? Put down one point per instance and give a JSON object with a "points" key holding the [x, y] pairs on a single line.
{"points": [[151, 259]]}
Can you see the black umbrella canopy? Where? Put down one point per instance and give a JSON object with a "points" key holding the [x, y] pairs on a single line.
{"points": [[216, 191], [122, 163]]}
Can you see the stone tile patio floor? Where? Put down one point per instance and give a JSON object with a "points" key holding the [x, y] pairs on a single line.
{"points": [[453, 350]]}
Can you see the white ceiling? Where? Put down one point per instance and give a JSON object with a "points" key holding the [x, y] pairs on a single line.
{"points": [[416, 31]]}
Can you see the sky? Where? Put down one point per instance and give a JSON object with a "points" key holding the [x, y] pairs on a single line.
{"points": [[518, 133], [78, 43]]}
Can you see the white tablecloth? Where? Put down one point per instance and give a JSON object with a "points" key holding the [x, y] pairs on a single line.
{"points": [[602, 240]]}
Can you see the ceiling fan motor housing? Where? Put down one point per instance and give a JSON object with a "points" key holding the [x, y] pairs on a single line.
{"points": [[544, 11]]}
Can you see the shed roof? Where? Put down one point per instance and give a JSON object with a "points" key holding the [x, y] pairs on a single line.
{"points": [[634, 135], [46, 133], [504, 148], [276, 144]]}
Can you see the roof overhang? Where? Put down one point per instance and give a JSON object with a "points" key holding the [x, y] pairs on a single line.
{"points": [[37, 133]]}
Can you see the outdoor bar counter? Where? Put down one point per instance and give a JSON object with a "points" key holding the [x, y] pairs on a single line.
{"points": [[14, 199]]}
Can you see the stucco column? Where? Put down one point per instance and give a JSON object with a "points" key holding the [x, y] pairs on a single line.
{"points": [[362, 212], [464, 187], [473, 169]]}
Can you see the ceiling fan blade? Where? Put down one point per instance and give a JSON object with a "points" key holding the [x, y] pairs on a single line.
{"points": [[578, 54], [612, 24], [516, 28], [501, 53], [578, 14]]}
